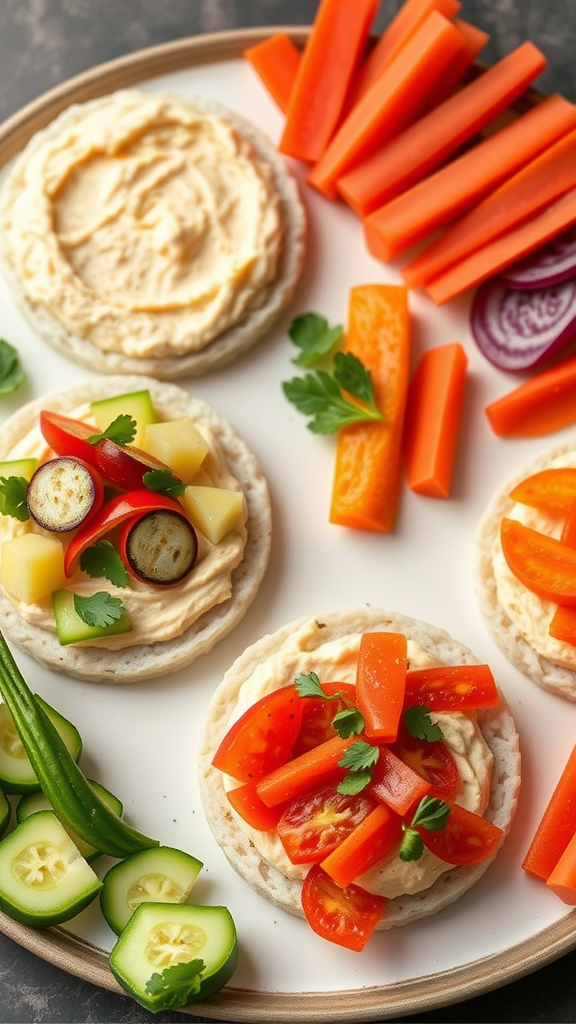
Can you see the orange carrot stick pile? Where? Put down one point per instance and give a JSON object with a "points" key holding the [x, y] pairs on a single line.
{"points": [[276, 61]]}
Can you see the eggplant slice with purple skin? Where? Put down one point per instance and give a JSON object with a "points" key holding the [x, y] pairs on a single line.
{"points": [[159, 547], [62, 493]]}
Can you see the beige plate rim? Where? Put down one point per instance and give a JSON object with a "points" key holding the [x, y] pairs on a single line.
{"points": [[80, 958]]}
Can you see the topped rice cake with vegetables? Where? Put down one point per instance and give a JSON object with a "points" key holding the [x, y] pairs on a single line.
{"points": [[143, 234], [360, 770], [526, 569], [135, 528]]}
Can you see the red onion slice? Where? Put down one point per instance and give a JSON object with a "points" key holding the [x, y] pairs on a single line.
{"points": [[552, 264], [517, 330]]}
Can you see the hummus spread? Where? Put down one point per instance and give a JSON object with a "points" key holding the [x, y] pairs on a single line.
{"points": [[336, 661], [153, 618], [531, 614], [145, 226]]}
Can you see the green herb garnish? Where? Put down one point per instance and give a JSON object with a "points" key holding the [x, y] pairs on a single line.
{"points": [[177, 983], [13, 497], [163, 481], [420, 725], [12, 375], [312, 334], [100, 609], [122, 430], [102, 560], [359, 759], [348, 721], [322, 395], [432, 814]]}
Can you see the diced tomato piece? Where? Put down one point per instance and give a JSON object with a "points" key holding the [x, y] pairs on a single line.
{"points": [[395, 783], [371, 840], [431, 759], [262, 738], [315, 767], [467, 838], [452, 687], [246, 802], [318, 715], [381, 683], [347, 917], [314, 823]]}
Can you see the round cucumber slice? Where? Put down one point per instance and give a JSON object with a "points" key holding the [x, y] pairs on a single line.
{"points": [[172, 955], [16, 772], [43, 878], [29, 803], [159, 875]]}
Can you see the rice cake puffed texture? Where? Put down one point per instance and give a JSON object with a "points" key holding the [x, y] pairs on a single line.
{"points": [[148, 297], [496, 724], [208, 623]]}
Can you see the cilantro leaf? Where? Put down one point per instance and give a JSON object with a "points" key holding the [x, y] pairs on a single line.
{"points": [[12, 375], [163, 481], [320, 395], [175, 985], [314, 337], [420, 725], [348, 722], [308, 685], [359, 755], [102, 560], [13, 497], [100, 609], [432, 814], [122, 430]]}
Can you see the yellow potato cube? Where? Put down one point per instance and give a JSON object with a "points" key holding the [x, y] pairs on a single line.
{"points": [[32, 566], [213, 510], [177, 443]]}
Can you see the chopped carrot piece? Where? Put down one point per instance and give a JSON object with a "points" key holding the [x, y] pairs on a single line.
{"points": [[473, 42], [435, 399], [381, 683], [334, 48], [313, 768], [365, 846], [541, 405], [391, 103], [501, 252], [562, 878], [433, 138], [531, 189], [454, 189], [276, 61], [557, 825], [368, 455]]}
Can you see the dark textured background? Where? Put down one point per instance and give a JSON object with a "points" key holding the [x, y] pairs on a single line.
{"points": [[44, 42]]}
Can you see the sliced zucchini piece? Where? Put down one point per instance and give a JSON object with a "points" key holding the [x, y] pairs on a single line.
{"points": [[32, 802], [137, 404], [71, 629], [18, 467], [5, 812], [174, 954], [16, 772], [159, 875], [44, 880]]}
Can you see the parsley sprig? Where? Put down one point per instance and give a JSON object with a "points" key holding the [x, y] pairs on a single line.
{"points": [[99, 609], [420, 725], [432, 814], [13, 497], [12, 376], [312, 334], [176, 984], [102, 560], [121, 430], [163, 481]]}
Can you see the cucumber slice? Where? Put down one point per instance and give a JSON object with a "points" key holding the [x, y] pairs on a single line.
{"points": [[172, 955], [159, 875], [18, 467], [71, 629], [137, 404], [16, 772], [5, 812], [32, 802], [43, 878]]}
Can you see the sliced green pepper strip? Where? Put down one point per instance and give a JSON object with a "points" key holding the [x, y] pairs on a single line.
{"points": [[74, 800]]}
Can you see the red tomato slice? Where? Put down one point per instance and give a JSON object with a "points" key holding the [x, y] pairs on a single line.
{"points": [[261, 740], [318, 715], [452, 687], [466, 839], [431, 759], [395, 783], [315, 823], [346, 916]]}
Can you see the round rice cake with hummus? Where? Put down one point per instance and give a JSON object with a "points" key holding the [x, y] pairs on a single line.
{"points": [[484, 743], [518, 619], [170, 625], [144, 234]]}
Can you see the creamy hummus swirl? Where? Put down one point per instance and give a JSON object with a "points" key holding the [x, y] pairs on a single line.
{"points": [[144, 226], [154, 618]]}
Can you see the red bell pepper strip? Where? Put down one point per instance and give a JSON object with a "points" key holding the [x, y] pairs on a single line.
{"points": [[452, 687], [395, 784]]}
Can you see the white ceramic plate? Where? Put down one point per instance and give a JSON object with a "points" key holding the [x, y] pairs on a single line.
{"points": [[141, 740]]}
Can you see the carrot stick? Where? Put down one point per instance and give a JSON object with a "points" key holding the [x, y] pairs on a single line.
{"points": [[541, 405], [435, 400], [368, 455], [557, 826], [399, 30], [473, 42], [499, 253], [313, 768], [391, 103], [562, 879], [456, 187], [371, 840], [533, 187], [381, 683], [335, 45], [426, 144], [276, 61]]}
